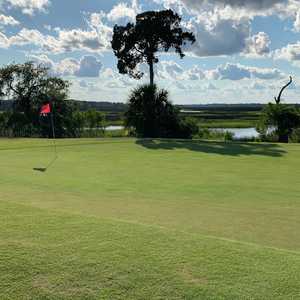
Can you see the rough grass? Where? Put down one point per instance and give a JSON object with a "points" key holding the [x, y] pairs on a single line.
{"points": [[136, 219]]}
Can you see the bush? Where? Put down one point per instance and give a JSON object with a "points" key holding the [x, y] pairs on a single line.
{"points": [[283, 118], [152, 115], [295, 136], [228, 136]]}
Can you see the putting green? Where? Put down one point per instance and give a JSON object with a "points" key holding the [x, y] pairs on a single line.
{"points": [[136, 219]]}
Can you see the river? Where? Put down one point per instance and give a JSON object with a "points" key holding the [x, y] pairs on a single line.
{"points": [[239, 133]]}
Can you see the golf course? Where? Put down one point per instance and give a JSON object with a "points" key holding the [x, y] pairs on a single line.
{"points": [[149, 219]]}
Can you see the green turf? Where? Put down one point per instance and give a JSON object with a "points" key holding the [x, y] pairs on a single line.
{"points": [[127, 219]]}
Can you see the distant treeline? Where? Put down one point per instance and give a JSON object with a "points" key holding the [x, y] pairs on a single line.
{"points": [[6, 105], [223, 107]]}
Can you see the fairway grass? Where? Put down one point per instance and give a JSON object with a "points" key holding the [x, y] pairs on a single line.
{"points": [[143, 219]]}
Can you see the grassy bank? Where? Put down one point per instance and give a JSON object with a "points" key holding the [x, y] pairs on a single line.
{"points": [[142, 219]]}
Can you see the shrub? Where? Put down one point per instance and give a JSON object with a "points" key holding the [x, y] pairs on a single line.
{"points": [[282, 117], [295, 136], [152, 115], [228, 136]]}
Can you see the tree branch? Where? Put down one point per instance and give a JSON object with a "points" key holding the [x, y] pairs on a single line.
{"points": [[278, 99]]}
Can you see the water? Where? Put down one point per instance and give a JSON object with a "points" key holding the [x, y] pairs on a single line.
{"points": [[241, 133], [113, 127]]}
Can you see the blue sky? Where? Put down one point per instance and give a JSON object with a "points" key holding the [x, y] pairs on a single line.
{"points": [[245, 50]]}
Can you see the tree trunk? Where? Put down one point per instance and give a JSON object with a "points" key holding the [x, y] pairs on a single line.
{"points": [[151, 72]]}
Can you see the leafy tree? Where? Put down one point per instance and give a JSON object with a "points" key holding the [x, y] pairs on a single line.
{"points": [[94, 121], [152, 115], [154, 31], [282, 117], [30, 86]]}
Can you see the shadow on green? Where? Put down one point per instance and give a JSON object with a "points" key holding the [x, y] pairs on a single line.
{"points": [[222, 148]]}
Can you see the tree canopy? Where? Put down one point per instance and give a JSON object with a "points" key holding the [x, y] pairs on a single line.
{"points": [[30, 85], [282, 118], [154, 31]]}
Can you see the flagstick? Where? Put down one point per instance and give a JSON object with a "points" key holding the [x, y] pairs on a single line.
{"points": [[53, 133], [45, 112], [54, 140]]}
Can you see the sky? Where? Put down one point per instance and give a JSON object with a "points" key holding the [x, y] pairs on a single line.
{"points": [[244, 50]]}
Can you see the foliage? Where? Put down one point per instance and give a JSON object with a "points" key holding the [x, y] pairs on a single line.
{"points": [[213, 134], [281, 118], [94, 120], [228, 136], [151, 114], [295, 136], [154, 31], [30, 86]]}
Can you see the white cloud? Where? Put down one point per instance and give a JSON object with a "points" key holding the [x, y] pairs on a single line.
{"points": [[29, 7], [229, 9], [222, 37], [169, 70], [238, 72], [8, 20], [223, 27], [195, 73], [87, 66], [96, 39], [291, 52], [123, 10], [258, 45]]}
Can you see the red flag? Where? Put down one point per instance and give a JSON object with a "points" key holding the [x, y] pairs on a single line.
{"points": [[46, 109]]}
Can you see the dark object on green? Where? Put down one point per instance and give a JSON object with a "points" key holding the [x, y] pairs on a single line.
{"points": [[43, 170], [154, 31]]}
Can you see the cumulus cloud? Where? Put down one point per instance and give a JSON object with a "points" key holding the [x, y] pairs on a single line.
{"points": [[28, 7], [224, 37], [87, 66], [238, 72], [258, 45], [8, 20], [291, 52], [252, 5], [170, 70], [195, 73], [218, 36], [257, 7], [94, 40], [124, 11], [237, 9], [70, 40]]}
